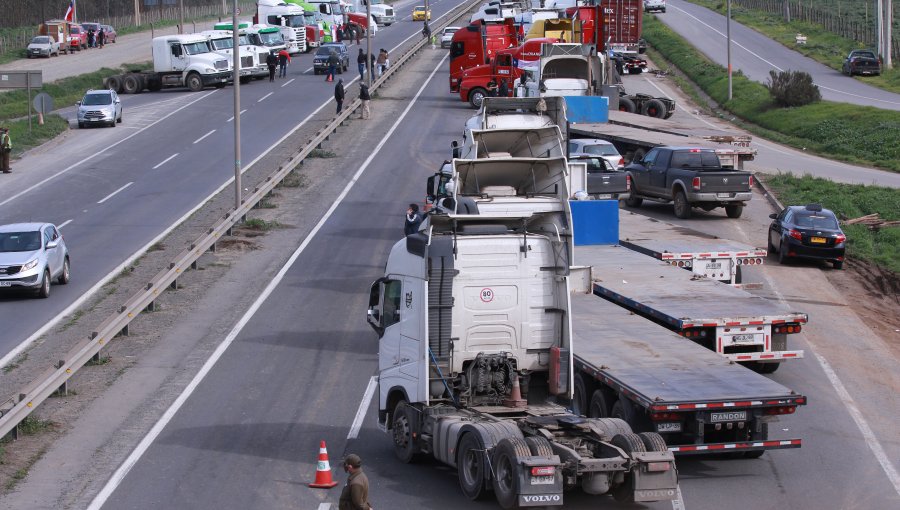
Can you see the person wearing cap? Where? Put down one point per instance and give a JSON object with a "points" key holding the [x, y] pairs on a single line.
{"points": [[413, 220], [5, 149], [355, 495]]}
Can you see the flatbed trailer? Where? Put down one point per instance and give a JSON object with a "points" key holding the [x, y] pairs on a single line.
{"points": [[633, 137], [725, 319], [630, 368], [702, 254]]}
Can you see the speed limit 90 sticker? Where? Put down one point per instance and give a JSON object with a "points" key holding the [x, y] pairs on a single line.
{"points": [[487, 295]]}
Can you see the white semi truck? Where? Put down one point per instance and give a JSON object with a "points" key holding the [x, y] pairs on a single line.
{"points": [[290, 20], [178, 61], [223, 42], [475, 349]]}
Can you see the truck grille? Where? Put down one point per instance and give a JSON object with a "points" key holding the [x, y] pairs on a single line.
{"points": [[221, 64], [10, 269], [263, 55], [301, 34], [246, 62]]}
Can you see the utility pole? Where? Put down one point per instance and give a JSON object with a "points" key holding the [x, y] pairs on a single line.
{"points": [[181, 17], [887, 25], [369, 43], [137, 12], [728, 36], [236, 86]]}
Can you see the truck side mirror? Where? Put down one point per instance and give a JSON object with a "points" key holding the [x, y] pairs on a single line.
{"points": [[176, 50], [455, 149]]}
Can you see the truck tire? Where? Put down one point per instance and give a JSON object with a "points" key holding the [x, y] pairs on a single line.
{"points": [[626, 105], [539, 446], [404, 430], [611, 427], [599, 407], [132, 84], [738, 275], [579, 397], [629, 443], [114, 83], [734, 210], [653, 442], [633, 201], [470, 466], [476, 95], [154, 84], [654, 108], [764, 368], [505, 463], [682, 206], [193, 82]]}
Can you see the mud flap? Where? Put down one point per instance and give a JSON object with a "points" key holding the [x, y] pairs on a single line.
{"points": [[540, 490], [655, 477]]}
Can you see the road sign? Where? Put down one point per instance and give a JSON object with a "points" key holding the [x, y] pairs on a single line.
{"points": [[21, 79], [43, 103]]}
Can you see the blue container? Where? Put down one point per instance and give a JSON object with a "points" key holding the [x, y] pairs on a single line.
{"points": [[595, 221], [587, 109]]}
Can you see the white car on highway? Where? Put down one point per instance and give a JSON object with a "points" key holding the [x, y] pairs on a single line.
{"points": [[31, 255], [596, 147], [447, 36], [655, 5]]}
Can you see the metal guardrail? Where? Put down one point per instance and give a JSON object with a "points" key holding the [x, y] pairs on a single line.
{"points": [[17, 408]]}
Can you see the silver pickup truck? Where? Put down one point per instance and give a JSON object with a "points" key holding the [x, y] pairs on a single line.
{"points": [[688, 177]]}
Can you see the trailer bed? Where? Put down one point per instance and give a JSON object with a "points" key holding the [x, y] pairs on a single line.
{"points": [[667, 241]]}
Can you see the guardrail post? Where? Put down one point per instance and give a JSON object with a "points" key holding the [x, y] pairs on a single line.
{"points": [[123, 331], [95, 358], [64, 388], [151, 307], [174, 284]]}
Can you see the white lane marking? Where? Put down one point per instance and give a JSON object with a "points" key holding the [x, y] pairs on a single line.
{"points": [[678, 502], [163, 162], [167, 416], [204, 136], [232, 117], [288, 82], [107, 197], [260, 100], [94, 155], [363, 406], [63, 224], [861, 423], [324, 506], [739, 45], [308, 70]]}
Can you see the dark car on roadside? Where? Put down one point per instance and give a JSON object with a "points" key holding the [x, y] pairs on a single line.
{"points": [[807, 232], [861, 62], [320, 60]]}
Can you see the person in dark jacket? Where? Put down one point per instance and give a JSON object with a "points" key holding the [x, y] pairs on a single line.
{"points": [[271, 63], [355, 495], [339, 95], [503, 89], [364, 98], [413, 220], [101, 37], [284, 58], [361, 64], [90, 38], [333, 63]]}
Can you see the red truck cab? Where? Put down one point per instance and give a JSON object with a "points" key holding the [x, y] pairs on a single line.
{"points": [[508, 64], [476, 44]]}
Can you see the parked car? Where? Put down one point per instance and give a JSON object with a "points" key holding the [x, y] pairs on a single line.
{"points": [[77, 37], [31, 255], [92, 26], [447, 36], [320, 59], [604, 180], [419, 14], [862, 62], [808, 232], [42, 46], [596, 147], [654, 5], [100, 107], [110, 33]]}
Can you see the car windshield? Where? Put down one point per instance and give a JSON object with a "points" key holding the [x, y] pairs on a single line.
{"points": [[19, 241], [449, 31], [97, 99], [41, 40], [813, 220], [324, 51], [601, 150], [223, 44], [197, 48], [420, 7]]}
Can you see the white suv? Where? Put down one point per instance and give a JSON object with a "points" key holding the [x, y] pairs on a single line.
{"points": [[654, 5]]}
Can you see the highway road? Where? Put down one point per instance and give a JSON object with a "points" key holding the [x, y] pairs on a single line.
{"points": [[755, 55], [118, 191], [303, 364]]}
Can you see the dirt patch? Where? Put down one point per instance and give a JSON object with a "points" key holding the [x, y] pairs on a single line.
{"points": [[874, 295]]}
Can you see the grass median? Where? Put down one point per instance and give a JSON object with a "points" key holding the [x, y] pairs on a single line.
{"points": [[855, 134]]}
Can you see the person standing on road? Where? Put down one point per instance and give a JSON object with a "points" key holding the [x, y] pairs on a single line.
{"points": [[364, 98], [503, 89], [333, 62], [101, 37], [361, 64], [5, 149], [355, 495], [271, 63], [90, 38], [413, 220], [284, 58], [426, 31], [381, 61], [492, 88], [339, 95]]}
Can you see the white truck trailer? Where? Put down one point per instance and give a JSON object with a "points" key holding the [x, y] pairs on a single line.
{"points": [[178, 61], [475, 349]]}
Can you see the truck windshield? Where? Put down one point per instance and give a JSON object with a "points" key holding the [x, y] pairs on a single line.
{"points": [[310, 18], [222, 44], [294, 21], [197, 48], [271, 38], [244, 40]]}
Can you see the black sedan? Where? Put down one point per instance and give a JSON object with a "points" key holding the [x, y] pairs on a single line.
{"points": [[861, 62], [808, 232]]}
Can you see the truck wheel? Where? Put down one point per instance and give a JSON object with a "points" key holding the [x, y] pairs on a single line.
{"points": [[132, 84], [539, 446], [506, 465], [738, 276], [404, 430], [114, 83], [476, 96], [626, 105], [194, 83], [653, 442], [764, 368], [654, 108], [682, 206], [633, 201], [154, 84], [470, 466], [629, 443], [579, 397], [734, 210], [598, 407]]}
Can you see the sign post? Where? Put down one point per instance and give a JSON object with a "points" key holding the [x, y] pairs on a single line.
{"points": [[22, 80]]}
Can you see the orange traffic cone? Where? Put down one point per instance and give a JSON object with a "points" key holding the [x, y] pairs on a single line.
{"points": [[515, 395], [323, 470]]}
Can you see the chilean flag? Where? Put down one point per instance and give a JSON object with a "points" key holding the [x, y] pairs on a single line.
{"points": [[70, 12]]}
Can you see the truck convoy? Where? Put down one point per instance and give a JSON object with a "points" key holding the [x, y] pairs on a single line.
{"points": [[222, 41], [178, 61], [290, 20]]}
